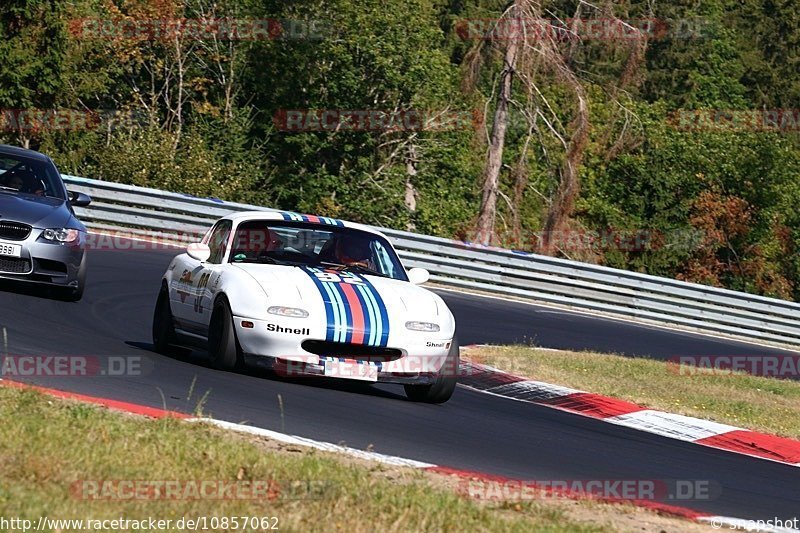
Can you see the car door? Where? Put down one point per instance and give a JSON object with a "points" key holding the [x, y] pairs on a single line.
{"points": [[219, 242], [196, 281]]}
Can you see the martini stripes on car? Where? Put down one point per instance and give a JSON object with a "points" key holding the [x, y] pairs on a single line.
{"points": [[297, 217], [355, 311]]}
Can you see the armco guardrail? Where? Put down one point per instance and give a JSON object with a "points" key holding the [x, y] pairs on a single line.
{"points": [[457, 264]]}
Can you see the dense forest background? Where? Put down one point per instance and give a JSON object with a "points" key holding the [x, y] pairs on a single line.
{"points": [[670, 148]]}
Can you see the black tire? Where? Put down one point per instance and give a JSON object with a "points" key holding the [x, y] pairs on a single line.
{"points": [[442, 389], [222, 344], [163, 327], [70, 294]]}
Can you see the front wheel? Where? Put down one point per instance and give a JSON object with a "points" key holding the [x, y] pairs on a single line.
{"points": [[163, 327], [442, 389], [222, 345]]}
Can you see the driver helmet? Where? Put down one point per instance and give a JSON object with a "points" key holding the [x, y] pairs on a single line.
{"points": [[351, 249]]}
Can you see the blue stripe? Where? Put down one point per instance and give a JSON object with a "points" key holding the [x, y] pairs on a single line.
{"points": [[346, 324], [381, 314], [373, 316], [339, 316], [345, 303], [341, 312], [290, 216], [329, 312], [381, 306], [333, 316], [380, 324], [369, 325]]}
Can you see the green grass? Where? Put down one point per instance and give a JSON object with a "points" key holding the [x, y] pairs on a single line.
{"points": [[49, 444], [753, 402]]}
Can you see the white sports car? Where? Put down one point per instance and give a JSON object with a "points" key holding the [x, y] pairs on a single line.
{"points": [[308, 296]]}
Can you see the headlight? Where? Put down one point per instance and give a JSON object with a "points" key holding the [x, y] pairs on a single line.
{"points": [[288, 311], [61, 235], [429, 327]]}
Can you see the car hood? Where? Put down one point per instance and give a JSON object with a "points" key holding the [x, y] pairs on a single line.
{"points": [[38, 211], [296, 284]]}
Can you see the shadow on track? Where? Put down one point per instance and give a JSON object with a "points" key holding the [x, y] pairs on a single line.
{"points": [[200, 358]]}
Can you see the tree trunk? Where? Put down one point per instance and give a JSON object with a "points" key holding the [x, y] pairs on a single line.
{"points": [[563, 201], [411, 191], [494, 159]]}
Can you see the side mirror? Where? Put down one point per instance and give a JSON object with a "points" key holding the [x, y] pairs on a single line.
{"points": [[78, 199], [199, 251], [418, 276]]}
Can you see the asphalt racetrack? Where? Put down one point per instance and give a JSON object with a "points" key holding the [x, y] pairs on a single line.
{"points": [[473, 431]]}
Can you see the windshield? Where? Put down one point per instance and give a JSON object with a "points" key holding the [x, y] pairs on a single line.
{"points": [[29, 176], [291, 243]]}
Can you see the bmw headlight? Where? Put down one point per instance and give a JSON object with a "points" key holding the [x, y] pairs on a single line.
{"points": [[428, 327], [63, 235], [293, 312]]}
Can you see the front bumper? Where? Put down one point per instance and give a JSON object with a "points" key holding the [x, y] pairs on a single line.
{"points": [[43, 262], [419, 361]]}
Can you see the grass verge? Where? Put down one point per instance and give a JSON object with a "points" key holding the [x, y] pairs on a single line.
{"points": [[736, 398], [48, 445]]}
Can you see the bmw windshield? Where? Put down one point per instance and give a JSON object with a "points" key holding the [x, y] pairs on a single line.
{"points": [[291, 243], [24, 175]]}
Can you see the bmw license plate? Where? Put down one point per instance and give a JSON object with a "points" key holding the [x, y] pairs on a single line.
{"points": [[351, 369], [10, 250]]}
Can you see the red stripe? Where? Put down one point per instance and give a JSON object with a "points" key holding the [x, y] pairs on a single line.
{"points": [[356, 311], [593, 405], [111, 404], [313, 218], [758, 444]]}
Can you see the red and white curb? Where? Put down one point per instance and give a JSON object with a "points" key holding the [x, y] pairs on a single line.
{"points": [[614, 411], [718, 522]]}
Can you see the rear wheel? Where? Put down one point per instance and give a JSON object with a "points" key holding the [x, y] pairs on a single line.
{"points": [[222, 344], [164, 328], [442, 389]]}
